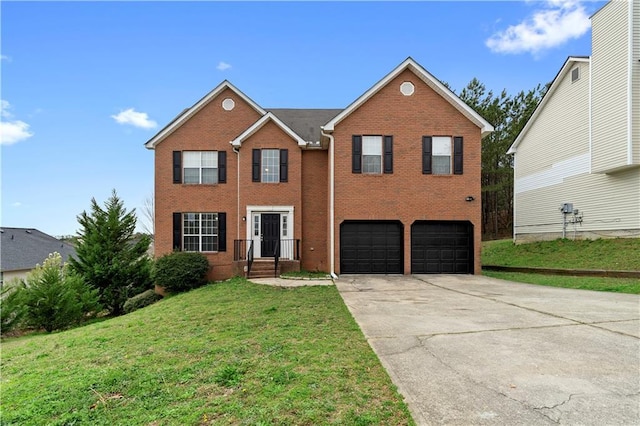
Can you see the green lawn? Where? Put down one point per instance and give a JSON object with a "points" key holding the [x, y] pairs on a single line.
{"points": [[307, 275], [228, 353], [619, 285], [621, 254]]}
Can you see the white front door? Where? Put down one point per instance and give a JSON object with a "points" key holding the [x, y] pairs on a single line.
{"points": [[271, 225]]}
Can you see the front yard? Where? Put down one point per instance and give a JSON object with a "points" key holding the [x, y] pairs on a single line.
{"points": [[228, 353]]}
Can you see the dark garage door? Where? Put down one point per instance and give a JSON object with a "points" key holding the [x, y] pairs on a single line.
{"points": [[441, 247], [371, 247]]}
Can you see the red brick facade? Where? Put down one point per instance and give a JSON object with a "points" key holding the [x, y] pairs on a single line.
{"points": [[406, 195]]}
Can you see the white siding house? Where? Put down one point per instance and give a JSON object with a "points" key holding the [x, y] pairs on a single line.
{"points": [[581, 146]]}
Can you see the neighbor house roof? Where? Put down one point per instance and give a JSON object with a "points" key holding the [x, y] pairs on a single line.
{"points": [[189, 112], [568, 65], [24, 248], [431, 81]]}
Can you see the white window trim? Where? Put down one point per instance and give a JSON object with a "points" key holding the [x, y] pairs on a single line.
{"points": [[380, 140], [200, 234], [450, 155], [200, 168], [262, 165]]}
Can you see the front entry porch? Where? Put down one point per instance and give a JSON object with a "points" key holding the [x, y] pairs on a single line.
{"points": [[276, 257]]}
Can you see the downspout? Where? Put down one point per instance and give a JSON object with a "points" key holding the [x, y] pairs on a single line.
{"points": [[332, 234], [237, 151], [630, 87]]}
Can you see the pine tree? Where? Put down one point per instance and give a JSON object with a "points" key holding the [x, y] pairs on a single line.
{"points": [[109, 258]]}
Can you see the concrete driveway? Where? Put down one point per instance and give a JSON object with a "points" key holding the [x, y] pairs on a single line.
{"points": [[467, 350]]}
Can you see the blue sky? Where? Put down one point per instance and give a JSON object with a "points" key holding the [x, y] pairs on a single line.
{"points": [[85, 84]]}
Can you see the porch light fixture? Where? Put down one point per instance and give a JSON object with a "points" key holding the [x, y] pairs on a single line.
{"points": [[244, 218], [469, 198]]}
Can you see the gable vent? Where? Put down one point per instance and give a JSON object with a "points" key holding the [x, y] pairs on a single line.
{"points": [[575, 74], [228, 104], [407, 88]]}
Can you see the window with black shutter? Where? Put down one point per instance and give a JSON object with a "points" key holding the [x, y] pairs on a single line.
{"points": [[442, 154], [177, 231], [426, 155], [201, 232], [457, 155], [284, 165], [255, 165], [356, 154], [388, 154], [371, 154], [270, 165], [177, 166], [222, 167]]}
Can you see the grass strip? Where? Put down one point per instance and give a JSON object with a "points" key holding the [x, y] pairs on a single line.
{"points": [[620, 285], [620, 254]]}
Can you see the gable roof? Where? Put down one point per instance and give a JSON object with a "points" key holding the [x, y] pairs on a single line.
{"points": [[189, 112], [568, 65], [237, 142], [305, 122], [431, 81], [24, 248]]}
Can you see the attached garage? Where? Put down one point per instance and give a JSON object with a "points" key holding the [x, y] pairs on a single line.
{"points": [[371, 247], [442, 247]]}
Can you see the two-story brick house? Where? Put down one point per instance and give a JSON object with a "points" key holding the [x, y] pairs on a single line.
{"points": [[391, 184]]}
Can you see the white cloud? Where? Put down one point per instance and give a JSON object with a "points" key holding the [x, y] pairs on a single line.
{"points": [[11, 131], [222, 66], [5, 58], [135, 118], [4, 109], [16, 204], [14, 131], [557, 22]]}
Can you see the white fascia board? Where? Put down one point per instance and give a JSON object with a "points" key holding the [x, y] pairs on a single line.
{"points": [[431, 81], [568, 64], [237, 142], [189, 112]]}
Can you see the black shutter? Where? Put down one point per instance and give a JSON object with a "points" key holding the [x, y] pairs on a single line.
{"points": [[177, 167], [222, 231], [255, 169], [222, 166], [426, 155], [457, 155], [356, 154], [284, 165], [388, 154], [177, 231]]}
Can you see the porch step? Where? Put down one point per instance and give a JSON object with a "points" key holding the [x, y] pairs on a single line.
{"points": [[263, 269]]}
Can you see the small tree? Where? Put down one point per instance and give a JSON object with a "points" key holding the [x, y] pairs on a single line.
{"points": [[12, 309], [54, 297], [109, 258]]}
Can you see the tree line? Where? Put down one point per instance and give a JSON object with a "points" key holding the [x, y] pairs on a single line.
{"points": [[508, 114]]}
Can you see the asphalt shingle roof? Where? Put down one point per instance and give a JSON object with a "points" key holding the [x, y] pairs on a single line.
{"points": [[305, 122], [24, 248]]}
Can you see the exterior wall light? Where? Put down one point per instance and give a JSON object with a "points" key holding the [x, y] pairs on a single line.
{"points": [[469, 198]]}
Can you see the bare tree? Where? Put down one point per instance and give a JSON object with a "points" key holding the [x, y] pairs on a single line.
{"points": [[148, 216]]}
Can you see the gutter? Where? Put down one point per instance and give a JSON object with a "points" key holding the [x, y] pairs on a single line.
{"points": [[332, 233]]}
